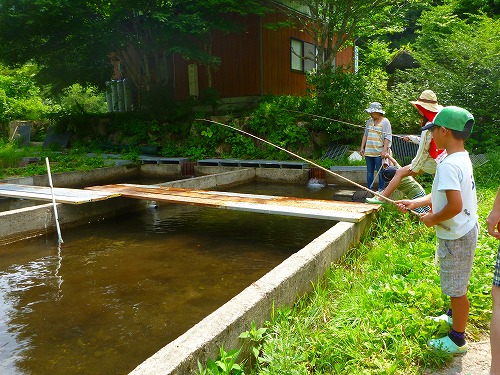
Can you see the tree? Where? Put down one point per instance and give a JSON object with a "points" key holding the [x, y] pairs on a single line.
{"points": [[20, 98], [62, 37], [334, 24], [463, 7], [459, 61], [74, 40]]}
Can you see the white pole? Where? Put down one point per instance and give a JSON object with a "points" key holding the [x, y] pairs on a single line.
{"points": [[54, 202]]}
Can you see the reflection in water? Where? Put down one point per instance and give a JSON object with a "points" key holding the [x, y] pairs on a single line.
{"points": [[118, 291]]}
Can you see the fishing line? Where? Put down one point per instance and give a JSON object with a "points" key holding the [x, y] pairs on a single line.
{"points": [[308, 161], [299, 157], [347, 123]]}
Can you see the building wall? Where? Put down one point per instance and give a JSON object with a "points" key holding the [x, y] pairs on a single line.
{"points": [[243, 72]]}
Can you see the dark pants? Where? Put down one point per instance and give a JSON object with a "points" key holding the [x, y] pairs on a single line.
{"points": [[373, 163]]}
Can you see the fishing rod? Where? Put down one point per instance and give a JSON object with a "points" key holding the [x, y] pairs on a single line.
{"points": [[312, 163], [346, 123]]}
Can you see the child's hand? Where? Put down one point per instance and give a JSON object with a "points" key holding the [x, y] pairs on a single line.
{"points": [[428, 219], [404, 205]]}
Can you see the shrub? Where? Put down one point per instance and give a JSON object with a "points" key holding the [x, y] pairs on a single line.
{"points": [[77, 99], [338, 95]]}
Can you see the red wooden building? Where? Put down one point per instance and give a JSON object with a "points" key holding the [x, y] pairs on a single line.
{"points": [[256, 62]]}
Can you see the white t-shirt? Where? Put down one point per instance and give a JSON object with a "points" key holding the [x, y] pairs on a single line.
{"points": [[455, 173]]}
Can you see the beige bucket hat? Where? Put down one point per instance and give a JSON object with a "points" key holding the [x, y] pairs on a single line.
{"points": [[428, 100]]}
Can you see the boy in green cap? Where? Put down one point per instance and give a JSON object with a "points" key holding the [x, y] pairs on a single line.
{"points": [[454, 207]]}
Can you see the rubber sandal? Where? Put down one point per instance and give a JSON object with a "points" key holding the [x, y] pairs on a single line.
{"points": [[374, 200], [441, 318], [445, 344]]}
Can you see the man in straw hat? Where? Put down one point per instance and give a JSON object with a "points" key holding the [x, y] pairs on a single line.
{"points": [[454, 213], [427, 154], [375, 143]]}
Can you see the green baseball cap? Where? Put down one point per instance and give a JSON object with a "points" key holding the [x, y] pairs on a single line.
{"points": [[451, 117]]}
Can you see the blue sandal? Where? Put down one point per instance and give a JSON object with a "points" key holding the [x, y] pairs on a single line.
{"points": [[445, 344]]}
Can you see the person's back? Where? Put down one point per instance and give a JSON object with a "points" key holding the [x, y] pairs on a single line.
{"points": [[407, 186]]}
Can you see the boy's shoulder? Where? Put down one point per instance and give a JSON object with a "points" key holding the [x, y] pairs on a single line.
{"points": [[457, 158]]}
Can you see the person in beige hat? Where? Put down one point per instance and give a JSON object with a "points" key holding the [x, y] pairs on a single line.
{"points": [[427, 155]]}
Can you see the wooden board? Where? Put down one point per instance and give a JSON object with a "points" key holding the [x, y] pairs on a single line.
{"points": [[311, 208], [62, 195]]}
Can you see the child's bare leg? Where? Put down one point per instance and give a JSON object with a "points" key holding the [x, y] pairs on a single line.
{"points": [[460, 311], [396, 180]]}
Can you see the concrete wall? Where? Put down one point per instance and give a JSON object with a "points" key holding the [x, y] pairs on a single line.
{"points": [[280, 287], [26, 222], [284, 175], [80, 179], [353, 173]]}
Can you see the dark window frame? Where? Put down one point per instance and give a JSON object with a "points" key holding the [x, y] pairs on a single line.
{"points": [[306, 65]]}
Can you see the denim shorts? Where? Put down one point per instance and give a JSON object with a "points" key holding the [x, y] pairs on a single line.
{"points": [[496, 276], [455, 263]]}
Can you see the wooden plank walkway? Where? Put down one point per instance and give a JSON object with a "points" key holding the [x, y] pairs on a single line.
{"points": [[62, 195], [311, 208]]}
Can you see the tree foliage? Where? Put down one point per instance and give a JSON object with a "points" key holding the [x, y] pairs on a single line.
{"points": [[335, 24], [459, 61], [73, 40], [20, 97]]}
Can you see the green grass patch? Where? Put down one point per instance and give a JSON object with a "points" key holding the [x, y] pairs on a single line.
{"points": [[367, 315], [11, 164]]}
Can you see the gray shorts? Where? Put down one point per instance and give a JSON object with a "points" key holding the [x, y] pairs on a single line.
{"points": [[496, 276], [455, 263]]}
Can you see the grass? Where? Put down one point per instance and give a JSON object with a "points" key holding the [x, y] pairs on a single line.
{"points": [[60, 161], [367, 315]]}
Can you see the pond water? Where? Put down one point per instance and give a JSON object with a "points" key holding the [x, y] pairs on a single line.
{"points": [[119, 290]]}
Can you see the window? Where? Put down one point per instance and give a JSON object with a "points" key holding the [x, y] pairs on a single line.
{"points": [[297, 51], [302, 55]]}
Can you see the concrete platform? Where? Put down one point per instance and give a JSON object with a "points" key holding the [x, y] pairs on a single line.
{"points": [[267, 204]]}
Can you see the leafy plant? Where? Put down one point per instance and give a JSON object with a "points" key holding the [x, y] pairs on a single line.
{"points": [[225, 364], [77, 99], [20, 97], [255, 336], [338, 95]]}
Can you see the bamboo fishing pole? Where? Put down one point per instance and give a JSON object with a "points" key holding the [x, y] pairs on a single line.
{"points": [[309, 162]]}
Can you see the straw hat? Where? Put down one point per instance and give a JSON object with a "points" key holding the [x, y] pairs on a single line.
{"points": [[375, 107], [428, 100]]}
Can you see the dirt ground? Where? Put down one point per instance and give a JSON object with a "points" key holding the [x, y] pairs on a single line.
{"points": [[475, 362]]}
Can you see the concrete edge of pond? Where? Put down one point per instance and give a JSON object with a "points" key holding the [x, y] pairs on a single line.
{"points": [[36, 220], [279, 287]]}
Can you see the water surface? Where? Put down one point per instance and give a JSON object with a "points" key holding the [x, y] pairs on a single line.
{"points": [[119, 290]]}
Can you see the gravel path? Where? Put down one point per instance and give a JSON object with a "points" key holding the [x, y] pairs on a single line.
{"points": [[475, 362]]}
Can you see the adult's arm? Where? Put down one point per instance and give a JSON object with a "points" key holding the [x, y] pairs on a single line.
{"points": [[493, 219]]}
